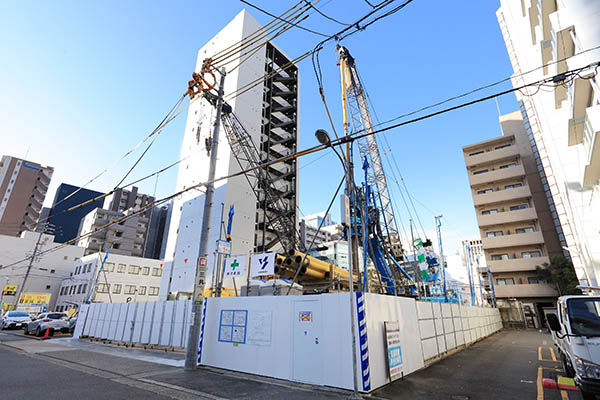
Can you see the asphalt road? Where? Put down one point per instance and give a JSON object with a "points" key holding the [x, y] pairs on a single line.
{"points": [[507, 365]]}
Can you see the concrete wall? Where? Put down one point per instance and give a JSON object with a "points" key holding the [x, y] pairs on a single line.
{"points": [[163, 323]]}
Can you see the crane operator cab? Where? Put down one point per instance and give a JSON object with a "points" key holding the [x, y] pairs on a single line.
{"points": [[576, 333]]}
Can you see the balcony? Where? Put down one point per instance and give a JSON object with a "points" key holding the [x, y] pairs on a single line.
{"points": [[581, 98], [491, 156], [516, 239], [507, 217], [497, 175], [499, 196], [525, 290], [516, 264], [591, 143]]}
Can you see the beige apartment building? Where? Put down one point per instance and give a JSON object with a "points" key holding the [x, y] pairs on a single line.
{"points": [[23, 187], [513, 215]]}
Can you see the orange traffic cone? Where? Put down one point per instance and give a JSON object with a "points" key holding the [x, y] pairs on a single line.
{"points": [[47, 333]]}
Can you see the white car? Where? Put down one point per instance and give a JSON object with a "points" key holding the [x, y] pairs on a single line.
{"points": [[53, 321], [15, 319]]}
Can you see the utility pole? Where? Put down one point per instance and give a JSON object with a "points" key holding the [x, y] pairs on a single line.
{"points": [[191, 354], [438, 225], [31, 260], [2, 298]]}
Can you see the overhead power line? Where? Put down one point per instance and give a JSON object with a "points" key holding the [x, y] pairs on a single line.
{"points": [[557, 79]]}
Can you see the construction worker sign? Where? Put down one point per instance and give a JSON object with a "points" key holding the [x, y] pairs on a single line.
{"points": [[235, 266], [262, 264]]}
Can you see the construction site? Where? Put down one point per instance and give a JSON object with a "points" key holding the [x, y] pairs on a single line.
{"points": [[259, 296]]}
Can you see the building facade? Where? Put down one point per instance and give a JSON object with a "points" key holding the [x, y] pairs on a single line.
{"points": [[544, 39], [47, 270], [64, 225], [269, 114], [23, 187], [513, 214], [123, 279]]}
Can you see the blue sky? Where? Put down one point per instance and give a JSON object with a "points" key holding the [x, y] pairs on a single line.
{"points": [[82, 82]]}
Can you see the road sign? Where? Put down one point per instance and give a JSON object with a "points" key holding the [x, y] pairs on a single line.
{"points": [[235, 266], [10, 290], [224, 247], [262, 264]]}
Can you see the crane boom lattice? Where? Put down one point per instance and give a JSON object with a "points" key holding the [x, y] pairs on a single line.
{"points": [[367, 146]]}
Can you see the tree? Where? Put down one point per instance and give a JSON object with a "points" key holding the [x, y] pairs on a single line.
{"points": [[560, 274]]}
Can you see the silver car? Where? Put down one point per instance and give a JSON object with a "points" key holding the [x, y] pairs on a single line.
{"points": [[54, 321], [15, 319]]}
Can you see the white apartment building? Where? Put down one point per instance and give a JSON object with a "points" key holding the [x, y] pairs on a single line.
{"points": [[545, 38], [310, 232], [269, 113], [123, 279], [47, 270]]}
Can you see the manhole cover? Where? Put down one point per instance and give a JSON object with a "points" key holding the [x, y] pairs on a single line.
{"points": [[459, 397]]}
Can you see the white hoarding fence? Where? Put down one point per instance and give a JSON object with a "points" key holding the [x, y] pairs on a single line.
{"points": [[161, 323]]}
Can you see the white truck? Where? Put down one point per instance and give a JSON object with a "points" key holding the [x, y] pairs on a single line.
{"points": [[576, 332]]}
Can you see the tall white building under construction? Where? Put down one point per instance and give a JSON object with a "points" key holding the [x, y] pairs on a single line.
{"points": [[268, 109]]}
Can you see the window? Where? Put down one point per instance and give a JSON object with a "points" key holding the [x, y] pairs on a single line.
{"points": [[116, 246], [535, 280], [48, 286], [525, 230], [498, 257], [134, 269], [505, 281], [513, 185], [481, 171], [492, 211], [494, 233], [79, 289], [117, 288], [142, 290], [476, 153], [76, 270], [109, 267], [90, 267], [153, 291], [518, 207], [502, 146], [509, 165], [65, 258], [84, 288], [102, 288], [156, 272], [121, 268], [72, 290], [145, 270], [531, 254], [484, 191], [129, 289]]}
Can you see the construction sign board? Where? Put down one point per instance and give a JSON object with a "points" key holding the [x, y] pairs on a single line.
{"points": [[394, 349], [10, 290], [235, 266], [35, 298], [224, 247], [262, 264], [200, 280]]}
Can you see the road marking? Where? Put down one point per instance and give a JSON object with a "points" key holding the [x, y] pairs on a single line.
{"points": [[552, 354], [564, 395], [540, 386], [539, 353]]}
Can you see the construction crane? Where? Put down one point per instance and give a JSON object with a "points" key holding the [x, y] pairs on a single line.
{"points": [[381, 238], [280, 218], [356, 103]]}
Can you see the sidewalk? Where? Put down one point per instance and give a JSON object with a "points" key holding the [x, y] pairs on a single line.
{"points": [[152, 371]]}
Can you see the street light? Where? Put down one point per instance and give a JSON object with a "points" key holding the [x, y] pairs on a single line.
{"points": [[323, 138]]}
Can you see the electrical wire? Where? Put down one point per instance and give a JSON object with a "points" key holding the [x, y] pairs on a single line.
{"points": [[325, 15], [350, 138], [281, 19]]}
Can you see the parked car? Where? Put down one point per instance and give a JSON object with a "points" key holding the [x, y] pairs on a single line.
{"points": [[15, 319], [54, 321], [72, 323], [576, 333]]}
